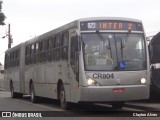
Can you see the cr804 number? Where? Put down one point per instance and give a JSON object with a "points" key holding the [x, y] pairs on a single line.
{"points": [[103, 76]]}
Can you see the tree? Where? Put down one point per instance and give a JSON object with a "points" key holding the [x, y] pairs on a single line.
{"points": [[2, 16]]}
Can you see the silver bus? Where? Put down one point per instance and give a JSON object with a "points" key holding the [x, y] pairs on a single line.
{"points": [[88, 60]]}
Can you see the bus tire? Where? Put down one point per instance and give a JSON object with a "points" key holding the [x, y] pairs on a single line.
{"points": [[14, 94], [62, 97], [117, 105], [32, 93]]}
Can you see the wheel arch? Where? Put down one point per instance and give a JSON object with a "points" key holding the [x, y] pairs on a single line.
{"points": [[59, 83], [10, 82], [30, 82]]}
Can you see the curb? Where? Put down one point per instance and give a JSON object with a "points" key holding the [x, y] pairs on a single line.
{"points": [[146, 108], [1, 89]]}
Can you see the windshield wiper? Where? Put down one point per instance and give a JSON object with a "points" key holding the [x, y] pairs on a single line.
{"points": [[106, 41], [124, 42], [100, 36]]}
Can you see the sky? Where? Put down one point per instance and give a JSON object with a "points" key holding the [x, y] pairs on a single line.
{"points": [[30, 18]]}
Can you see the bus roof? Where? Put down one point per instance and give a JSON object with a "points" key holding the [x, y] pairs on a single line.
{"points": [[109, 18], [75, 24], [14, 48]]}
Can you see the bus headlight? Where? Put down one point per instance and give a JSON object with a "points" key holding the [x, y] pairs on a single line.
{"points": [[143, 81], [91, 82]]}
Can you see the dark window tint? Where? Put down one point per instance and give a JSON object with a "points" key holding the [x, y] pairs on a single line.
{"points": [[51, 42], [57, 40], [64, 49]]}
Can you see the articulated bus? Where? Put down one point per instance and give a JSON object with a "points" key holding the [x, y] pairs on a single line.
{"points": [[91, 60]]}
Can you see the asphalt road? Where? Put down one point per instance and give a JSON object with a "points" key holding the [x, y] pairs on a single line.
{"points": [[80, 112]]}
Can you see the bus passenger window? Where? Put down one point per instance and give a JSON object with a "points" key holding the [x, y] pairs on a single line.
{"points": [[51, 43], [27, 55], [49, 49], [64, 49], [17, 58], [40, 46], [57, 54], [36, 47], [57, 40], [32, 49], [57, 46], [47, 44]]}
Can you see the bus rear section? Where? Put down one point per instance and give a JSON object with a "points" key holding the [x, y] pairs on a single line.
{"points": [[13, 76]]}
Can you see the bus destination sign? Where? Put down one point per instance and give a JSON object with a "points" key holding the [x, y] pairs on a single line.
{"points": [[110, 25]]}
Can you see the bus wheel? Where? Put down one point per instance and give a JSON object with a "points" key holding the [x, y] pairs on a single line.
{"points": [[117, 105], [32, 92], [64, 104]]}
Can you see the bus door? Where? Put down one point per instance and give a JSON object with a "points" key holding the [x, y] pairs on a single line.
{"points": [[74, 67]]}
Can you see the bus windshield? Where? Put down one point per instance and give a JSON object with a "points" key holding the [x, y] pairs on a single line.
{"points": [[114, 51]]}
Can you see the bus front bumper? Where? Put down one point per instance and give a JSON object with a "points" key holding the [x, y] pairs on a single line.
{"points": [[114, 93]]}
